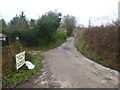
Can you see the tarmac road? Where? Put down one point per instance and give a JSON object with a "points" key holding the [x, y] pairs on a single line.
{"points": [[65, 67]]}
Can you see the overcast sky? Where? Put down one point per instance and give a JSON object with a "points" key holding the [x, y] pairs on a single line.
{"points": [[81, 9]]}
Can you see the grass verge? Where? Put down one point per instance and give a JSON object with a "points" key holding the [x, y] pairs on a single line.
{"points": [[23, 73]]}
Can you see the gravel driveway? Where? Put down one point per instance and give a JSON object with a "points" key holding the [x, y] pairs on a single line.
{"points": [[65, 67]]}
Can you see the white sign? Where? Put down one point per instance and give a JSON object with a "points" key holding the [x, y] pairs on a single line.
{"points": [[20, 59]]}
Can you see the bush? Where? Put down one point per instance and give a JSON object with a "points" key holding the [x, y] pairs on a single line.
{"points": [[28, 37], [59, 36], [47, 26], [13, 34], [62, 35]]}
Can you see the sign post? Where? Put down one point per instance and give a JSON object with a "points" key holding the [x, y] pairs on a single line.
{"points": [[20, 60]]}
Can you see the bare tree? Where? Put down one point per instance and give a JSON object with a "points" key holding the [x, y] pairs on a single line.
{"points": [[69, 22]]}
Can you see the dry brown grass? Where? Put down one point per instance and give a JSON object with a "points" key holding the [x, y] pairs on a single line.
{"points": [[7, 61], [101, 42]]}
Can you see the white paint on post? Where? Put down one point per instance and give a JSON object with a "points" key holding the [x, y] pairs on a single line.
{"points": [[20, 60]]}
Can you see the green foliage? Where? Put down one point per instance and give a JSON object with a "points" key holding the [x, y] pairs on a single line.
{"points": [[44, 32], [27, 37], [47, 25], [30, 37], [45, 47], [57, 39], [13, 34], [59, 36]]}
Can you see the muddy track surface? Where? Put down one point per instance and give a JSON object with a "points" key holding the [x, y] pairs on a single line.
{"points": [[65, 67]]}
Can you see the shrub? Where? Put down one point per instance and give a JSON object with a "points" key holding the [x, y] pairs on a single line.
{"points": [[28, 37], [59, 36], [62, 35], [47, 26], [13, 34]]}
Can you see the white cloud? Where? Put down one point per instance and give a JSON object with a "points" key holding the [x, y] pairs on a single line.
{"points": [[82, 9]]}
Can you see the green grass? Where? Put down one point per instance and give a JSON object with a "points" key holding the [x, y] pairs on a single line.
{"points": [[23, 73], [89, 55], [46, 47]]}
